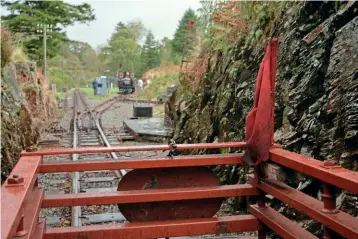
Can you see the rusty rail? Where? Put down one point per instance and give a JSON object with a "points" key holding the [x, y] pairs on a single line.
{"points": [[22, 199]]}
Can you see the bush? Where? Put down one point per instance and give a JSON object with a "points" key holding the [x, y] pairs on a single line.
{"points": [[60, 78], [6, 46], [19, 55]]}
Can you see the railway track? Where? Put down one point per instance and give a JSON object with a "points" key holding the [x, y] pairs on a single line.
{"points": [[92, 134], [86, 131]]}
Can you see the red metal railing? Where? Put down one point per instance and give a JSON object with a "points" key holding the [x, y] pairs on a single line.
{"points": [[22, 198]]}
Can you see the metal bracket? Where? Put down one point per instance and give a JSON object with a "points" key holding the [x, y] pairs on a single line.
{"points": [[14, 181], [330, 164]]}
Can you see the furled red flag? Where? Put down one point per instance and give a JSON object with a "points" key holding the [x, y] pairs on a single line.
{"points": [[260, 120]]}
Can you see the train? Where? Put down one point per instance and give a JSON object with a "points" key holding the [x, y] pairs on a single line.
{"points": [[126, 83]]}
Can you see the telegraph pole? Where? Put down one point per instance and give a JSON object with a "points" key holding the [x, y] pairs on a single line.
{"points": [[43, 28], [45, 52]]}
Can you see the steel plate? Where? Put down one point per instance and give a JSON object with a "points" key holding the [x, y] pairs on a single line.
{"points": [[165, 178]]}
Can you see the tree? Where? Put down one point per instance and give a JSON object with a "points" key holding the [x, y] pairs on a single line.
{"points": [[205, 13], [123, 50], [180, 33], [76, 63], [165, 51], [25, 17], [88, 57], [150, 52], [75, 69]]}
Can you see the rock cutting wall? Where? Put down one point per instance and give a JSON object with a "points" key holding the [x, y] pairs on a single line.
{"points": [[316, 109], [27, 107], [316, 88]]}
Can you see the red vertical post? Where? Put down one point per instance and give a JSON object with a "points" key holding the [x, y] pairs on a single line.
{"points": [[260, 201], [262, 234], [329, 199], [329, 203]]}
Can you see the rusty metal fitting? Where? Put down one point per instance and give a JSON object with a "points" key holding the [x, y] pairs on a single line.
{"points": [[31, 149], [15, 179], [329, 162], [172, 148]]}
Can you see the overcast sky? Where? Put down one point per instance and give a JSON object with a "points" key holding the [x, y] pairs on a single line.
{"points": [[161, 16]]}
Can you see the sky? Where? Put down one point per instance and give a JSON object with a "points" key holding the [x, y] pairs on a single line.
{"points": [[160, 16]]}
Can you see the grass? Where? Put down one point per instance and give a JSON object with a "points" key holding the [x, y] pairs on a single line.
{"points": [[111, 93], [159, 85], [60, 95], [158, 111]]}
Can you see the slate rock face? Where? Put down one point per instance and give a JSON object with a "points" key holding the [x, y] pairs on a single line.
{"points": [[316, 105], [341, 102], [316, 86]]}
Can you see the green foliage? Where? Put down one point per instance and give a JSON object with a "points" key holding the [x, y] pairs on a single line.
{"points": [[18, 55], [78, 61], [60, 78], [150, 52], [25, 17], [258, 33], [229, 23], [205, 12], [165, 51], [90, 93], [123, 50], [159, 85], [91, 63], [180, 33]]}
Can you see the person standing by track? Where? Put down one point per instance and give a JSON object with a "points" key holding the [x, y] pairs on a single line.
{"points": [[140, 86], [95, 86]]}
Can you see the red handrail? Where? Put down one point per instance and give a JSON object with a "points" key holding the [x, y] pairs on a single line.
{"points": [[22, 199]]}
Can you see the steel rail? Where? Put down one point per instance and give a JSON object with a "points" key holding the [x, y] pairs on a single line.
{"points": [[76, 210], [121, 172]]}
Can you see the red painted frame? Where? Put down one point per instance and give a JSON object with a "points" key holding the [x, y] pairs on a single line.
{"points": [[192, 227], [335, 175], [341, 222], [181, 161], [24, 196], [153, 195], [134, 148], [14, 197]]}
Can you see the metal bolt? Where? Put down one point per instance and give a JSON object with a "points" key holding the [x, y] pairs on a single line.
{"points": [[329, 162]]}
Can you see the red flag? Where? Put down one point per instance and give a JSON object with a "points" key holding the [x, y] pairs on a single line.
{"points": [[260, 120]]}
